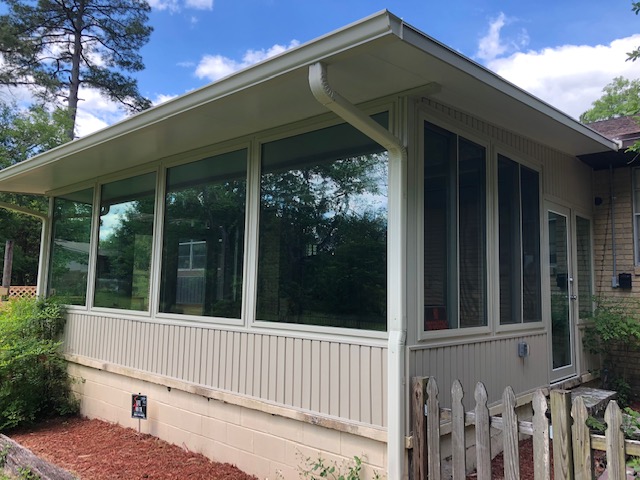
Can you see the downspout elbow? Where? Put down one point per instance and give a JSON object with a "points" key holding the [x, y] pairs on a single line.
{"points": [[325, 95]]}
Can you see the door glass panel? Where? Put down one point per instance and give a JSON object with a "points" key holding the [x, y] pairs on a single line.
{"points": [[583, 258], [560, 290]]}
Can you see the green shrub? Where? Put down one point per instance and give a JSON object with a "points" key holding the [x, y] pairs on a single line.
{"points": [[614, 332], [33, 377]]}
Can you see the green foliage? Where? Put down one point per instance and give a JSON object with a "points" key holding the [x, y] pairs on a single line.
{"points": [[24, 133], [315, 469], [56, 47], [33, 379], [635, 54], [4, 453], [596, 425], [620, 98], [614, 330], [26, 473]]}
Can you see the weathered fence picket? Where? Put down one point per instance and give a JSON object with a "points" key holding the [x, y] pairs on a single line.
{"points": [[573, 443]]}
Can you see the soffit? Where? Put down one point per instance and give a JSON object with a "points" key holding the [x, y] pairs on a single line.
{"points": [[377, 57]]}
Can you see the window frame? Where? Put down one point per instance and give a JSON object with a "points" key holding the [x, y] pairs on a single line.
{"points": [[494, 148], [535, 166], [418, 187], [635, 199]]}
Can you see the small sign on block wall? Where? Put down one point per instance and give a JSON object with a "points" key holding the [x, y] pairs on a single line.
{"points": [[139, 406]]}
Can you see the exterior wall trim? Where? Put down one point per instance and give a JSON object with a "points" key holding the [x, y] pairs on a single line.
{"points": [[365, 431]]}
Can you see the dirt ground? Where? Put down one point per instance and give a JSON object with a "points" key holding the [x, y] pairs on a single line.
{"points": [[96, 450]]}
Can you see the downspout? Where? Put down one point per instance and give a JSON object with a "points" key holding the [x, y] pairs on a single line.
{"points": [[396, 259]]}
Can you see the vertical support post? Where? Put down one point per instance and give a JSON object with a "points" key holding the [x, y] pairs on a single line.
{"points": [[419, 454], [8, 264], [561, 423]]}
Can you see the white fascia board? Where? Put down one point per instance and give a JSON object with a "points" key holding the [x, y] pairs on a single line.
{"points": [[438, 50], [366, 30]]}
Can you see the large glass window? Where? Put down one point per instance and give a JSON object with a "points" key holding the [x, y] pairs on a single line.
{"points": [[519, 243], [323, 230], [584, 262], [202, 255], [636, 213], [70, 247], [454, 231], [125, 241]]}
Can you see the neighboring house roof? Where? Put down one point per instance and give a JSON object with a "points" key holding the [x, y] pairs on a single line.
{"points": [[624, 130], [379, 56]]}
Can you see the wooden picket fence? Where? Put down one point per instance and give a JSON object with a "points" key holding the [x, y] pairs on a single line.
{"points": [[573, 443]]}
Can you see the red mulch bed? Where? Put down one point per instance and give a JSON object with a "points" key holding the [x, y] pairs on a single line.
{"points": [[97, 450]]}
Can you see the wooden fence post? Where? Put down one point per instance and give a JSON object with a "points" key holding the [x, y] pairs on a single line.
{"points": [[582, 458], [459, 450], [510, 435], [615, 442], [433, 430], [541, 454], [419, 454], [483, 433], [561, 424]]}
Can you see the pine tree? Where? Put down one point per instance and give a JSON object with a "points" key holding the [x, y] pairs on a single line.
{"points": [[56, 46]]}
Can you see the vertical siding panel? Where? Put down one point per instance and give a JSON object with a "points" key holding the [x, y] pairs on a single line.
{"points": [[171, 357], [281, 380], [289, 371], [137, 345], [345, 380], [273, 367], [216, 359], [193, 355], [224, 360], [154, 346], [207, 355], [314, 390], [235, 365], [365, 388], [177, 358], [297, 373], [306, 374], [354, 386], [385, 376], [334, 379], [325, 387], [377, 392], [256, 371], [251, 364], [242, 366], [264, 367]]}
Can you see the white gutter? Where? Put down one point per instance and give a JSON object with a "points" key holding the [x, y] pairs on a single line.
{"points": [[396, 259]]}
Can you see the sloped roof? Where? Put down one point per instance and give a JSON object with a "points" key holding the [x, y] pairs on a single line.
{"points": [[376, 57], [617, 128]]}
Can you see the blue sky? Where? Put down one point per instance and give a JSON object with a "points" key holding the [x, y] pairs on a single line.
{"points": [[564, 51]]}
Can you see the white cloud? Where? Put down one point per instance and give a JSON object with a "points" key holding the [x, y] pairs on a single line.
{"points": [[199, 4], [569, 77], [214, 67], [170, 5], [493, 45], [177, 5]]}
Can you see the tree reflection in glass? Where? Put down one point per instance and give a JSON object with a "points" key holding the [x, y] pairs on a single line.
{"points": [[125, 242], [323, 230], [202, 255], [70, 247]]}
